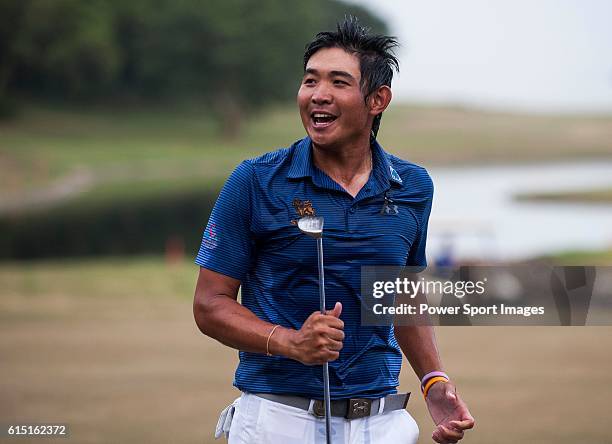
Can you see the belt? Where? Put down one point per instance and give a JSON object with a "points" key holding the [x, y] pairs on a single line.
{"points": [[346, 408]]}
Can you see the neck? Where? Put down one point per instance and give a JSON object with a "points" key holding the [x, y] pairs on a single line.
{"points": [[349, 166], [346, 162]]}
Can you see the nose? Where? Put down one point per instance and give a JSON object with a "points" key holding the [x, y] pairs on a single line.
{"points": [[321, 95]]}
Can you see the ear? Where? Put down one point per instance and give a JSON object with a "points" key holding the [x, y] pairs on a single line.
{"points": [[379, 100]]}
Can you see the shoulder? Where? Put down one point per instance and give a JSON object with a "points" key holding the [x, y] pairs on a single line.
{"points": [[271, 158], [272, 166], [272, 162], [262, 163], [414, 177], [262, 173]]}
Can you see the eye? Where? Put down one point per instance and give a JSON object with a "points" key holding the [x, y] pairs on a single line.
{"points": [[309, 81], [340, 82]]}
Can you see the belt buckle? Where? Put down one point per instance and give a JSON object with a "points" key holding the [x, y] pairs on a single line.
{"points": [[358, 408], [318, 408]]}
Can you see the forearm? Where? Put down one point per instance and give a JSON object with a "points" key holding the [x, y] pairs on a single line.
{"points": [[224, 319], [418, 343]]}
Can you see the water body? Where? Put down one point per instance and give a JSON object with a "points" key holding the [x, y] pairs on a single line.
{"points": [[476, 215]]}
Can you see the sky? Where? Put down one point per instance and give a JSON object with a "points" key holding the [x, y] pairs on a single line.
{"points": [[536, 55]]}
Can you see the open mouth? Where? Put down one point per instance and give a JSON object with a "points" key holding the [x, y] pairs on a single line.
{"points": [[321, 120]]}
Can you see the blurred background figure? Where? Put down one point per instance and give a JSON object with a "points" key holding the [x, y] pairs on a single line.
{"points": [[119, 121], [445, 255]]}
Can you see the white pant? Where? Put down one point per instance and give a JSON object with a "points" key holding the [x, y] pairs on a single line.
{"points": [[260, 421]]}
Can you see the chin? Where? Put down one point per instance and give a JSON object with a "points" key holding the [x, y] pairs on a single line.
{"points": [[323, 140]]}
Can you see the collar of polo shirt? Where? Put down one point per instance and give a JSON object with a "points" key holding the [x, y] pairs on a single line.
{"points": [[302, 166]]}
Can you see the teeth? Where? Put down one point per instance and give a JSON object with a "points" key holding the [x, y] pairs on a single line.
{"points": [[318, 115]]}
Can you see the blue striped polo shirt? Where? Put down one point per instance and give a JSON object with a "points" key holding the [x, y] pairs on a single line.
{"points": [[250, 237]]}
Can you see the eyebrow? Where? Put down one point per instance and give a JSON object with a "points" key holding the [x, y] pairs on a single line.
{"points": [[332, 73]]}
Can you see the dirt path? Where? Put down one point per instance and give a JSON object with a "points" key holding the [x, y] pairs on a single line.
{"points": [[70, 185]]}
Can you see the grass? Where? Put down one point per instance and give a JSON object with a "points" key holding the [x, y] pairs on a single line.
{"points": [[113, 193], [456, 135], [597, 196], [118, 277], [141, 151], [595, 258], [110, 347], [46, 144]]}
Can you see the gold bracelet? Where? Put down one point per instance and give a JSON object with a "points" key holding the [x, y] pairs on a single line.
{"points": [[268, 341]]}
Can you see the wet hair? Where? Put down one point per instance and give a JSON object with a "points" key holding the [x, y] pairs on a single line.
{"points": [[374, 51]]}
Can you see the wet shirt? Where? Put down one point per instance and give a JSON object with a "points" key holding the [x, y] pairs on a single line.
{"points": [[252, 236]]}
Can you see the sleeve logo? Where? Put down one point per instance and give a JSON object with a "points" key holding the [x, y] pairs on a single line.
{"points": [[210, 239]]}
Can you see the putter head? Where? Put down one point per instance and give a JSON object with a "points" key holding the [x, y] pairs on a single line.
{"points": [[312, 226]]}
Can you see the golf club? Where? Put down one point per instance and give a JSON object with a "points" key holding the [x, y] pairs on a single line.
{"points": [[313, 227]]}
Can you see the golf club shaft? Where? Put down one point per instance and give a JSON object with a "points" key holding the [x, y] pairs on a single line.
{"points": [[326, 391], [326, 398]]}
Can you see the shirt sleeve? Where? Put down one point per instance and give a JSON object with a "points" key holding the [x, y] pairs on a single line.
{"points": [[416, 256], [227, 242]]}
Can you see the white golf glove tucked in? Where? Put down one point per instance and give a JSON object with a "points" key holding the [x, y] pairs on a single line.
{"points": [[225, 419]]}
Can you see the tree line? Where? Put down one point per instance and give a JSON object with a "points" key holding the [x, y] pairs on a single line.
{"points": [[232, 54]]}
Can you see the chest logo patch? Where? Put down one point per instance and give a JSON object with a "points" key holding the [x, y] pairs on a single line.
{"points": [[388, 208], [303, 209]]}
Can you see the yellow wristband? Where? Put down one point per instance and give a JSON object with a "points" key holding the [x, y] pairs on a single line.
{"points": [[268, 341], [431, 382]]}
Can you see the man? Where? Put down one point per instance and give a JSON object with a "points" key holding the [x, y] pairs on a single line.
{"points": [[376, 208]]}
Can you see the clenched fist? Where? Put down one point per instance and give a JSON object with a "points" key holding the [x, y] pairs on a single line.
{"points": [[320, 338]]}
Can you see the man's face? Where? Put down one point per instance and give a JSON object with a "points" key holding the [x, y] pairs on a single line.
{"points": [[330, 99]]}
